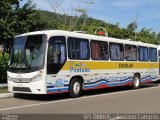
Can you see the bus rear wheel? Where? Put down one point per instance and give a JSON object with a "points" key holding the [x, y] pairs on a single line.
{"points": [[136, 81], [75, 88]]}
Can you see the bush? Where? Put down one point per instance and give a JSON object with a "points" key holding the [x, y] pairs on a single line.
{"points": [[3, 67]]}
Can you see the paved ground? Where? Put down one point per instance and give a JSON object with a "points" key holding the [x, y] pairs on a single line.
{"points": [[113, 100]]}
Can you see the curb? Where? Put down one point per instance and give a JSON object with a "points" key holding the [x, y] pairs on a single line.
{"points": [[6, 95]]}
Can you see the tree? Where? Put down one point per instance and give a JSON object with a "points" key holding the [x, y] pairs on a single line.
{"points": [[158, 38], [16, 20], [131, 30], [148, 36], [70, 15]]}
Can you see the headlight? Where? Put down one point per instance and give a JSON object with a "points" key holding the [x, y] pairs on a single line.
{"points": [[36, 78]]}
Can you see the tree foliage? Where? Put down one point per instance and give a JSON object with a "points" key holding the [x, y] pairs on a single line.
{"points": [[16, 19], [70, 16], [130, 32], [3, 67]]}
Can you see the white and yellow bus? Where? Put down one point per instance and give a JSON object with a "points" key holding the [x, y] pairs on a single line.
{"points": [[55, 61]]}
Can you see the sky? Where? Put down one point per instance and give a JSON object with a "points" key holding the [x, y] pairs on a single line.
{"points": [[146, 12]]}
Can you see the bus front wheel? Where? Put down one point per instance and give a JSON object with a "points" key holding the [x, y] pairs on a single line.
{"points": [[136, 81], [75, 88]]}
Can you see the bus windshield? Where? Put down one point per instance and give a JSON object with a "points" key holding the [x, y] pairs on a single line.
{"points": [[27, 54]]}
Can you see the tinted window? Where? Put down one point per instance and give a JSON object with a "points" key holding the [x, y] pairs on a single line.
{"points": [[116, 51], [130, 53], [143, 53], [28, 53], [56, 54], [99, 50], [78, 48], [16, 54], [153, 54]]}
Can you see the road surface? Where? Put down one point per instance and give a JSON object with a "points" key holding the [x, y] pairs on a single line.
{"points": [[112, 100]]}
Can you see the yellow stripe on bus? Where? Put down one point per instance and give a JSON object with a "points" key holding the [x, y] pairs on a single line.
{"points": [[109, 65]]}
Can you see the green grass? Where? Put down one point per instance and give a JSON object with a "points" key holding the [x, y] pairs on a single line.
{"points": [[3, 90]]}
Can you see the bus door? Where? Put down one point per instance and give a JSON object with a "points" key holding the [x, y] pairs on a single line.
{"points": [[56, 57]]}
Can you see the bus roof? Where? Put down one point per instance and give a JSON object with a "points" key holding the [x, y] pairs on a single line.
{"points": [[87, 36]]}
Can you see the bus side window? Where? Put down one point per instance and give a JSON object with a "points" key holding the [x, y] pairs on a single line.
{"points": [[56, 54], [130, 53], [116, 51], [78, 48], [99, 50], [153, 54], [143, 53]]}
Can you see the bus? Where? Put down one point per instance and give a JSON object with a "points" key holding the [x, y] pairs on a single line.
{"points": [[56, 61]]}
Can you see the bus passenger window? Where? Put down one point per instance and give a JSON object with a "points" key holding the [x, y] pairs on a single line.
{"points": [[153, 54], [78, 48], [130, 53], [99, 50], [143, 53], [116, 51]]}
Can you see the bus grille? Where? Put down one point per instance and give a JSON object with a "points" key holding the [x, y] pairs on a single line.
{"points": [[22, 89], [24, 80]]}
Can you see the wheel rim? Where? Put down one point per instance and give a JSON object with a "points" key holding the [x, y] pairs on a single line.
{"points": [[136, 82], [76, 87]]}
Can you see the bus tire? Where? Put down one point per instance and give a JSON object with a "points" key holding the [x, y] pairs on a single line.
{"points": [[136, 81], [75, 88]]}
